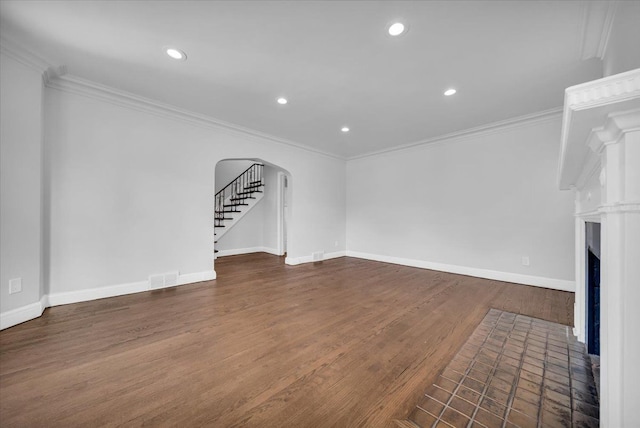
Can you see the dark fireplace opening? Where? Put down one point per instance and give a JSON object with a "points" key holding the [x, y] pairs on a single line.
{"points": [[593, 287]]}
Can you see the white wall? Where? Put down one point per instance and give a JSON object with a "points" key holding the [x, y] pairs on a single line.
{"points": [[229, 170], [622, 53], [20, 182], [480, 202], [132, 192], [247, 233]]}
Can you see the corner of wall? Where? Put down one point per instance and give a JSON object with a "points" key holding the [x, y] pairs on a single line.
{"points": [[22, 314], [34, 310]]}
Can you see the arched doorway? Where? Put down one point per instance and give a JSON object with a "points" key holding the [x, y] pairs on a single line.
{"points": [[251, 207]]}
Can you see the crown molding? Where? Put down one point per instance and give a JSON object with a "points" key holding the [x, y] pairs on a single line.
{"points": [[595, 28], [56, 77], [62, 81], [478, 131], [606, 29], [34, 61], [596, 113], [79, 86], [23, 56], [600, 92]]}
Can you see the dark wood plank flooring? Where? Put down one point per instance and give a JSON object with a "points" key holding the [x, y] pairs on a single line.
{"points": [[345, 342]]}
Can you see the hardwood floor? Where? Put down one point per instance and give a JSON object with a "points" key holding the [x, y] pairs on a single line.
{"points": [[345, 342]]}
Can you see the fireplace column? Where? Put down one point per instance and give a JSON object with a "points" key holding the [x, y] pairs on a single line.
{"points": [[620, 274]]}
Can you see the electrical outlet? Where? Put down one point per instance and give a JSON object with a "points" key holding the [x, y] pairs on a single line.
{"points": [[15, 285], [525, 260]]}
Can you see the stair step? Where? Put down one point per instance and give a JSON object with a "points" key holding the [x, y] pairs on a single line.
{"points": [[241, 198], [249, 193], [235, 205], [219, 225], [256, 182], [228, 211], [224, 218], [215, 251]]}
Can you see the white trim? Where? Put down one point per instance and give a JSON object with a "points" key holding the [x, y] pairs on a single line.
{"points": [[23, 56], [622, 207], [248, 250], [607, 28], [592, 167], [590, 104], [605, 91], [595, 28], [579, 305], [67, 297], [35, 62], [537, 281], [593, 215], [20, 315], [79, 86], [190, 278], [58, 78], [272, 251], [280, 180], [293, 261], [34, 310], [478, 131]]}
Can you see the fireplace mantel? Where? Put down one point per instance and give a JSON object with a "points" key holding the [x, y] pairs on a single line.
{"points": [[600, 161]]}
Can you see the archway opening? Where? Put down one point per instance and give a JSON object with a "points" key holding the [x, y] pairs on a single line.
{"points": [[252, 207]]}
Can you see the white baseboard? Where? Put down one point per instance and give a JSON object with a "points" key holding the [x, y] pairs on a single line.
{"points": [[190, 278], [537, 281], [309, 259], [273, 251], [20, 315], [34, 310], [86, 295], [236, 251], [68, 297]]}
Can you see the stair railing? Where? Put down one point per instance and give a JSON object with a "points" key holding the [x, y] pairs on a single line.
{"points": [[235, 193]]}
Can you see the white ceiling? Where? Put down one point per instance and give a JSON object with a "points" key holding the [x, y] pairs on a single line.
{"points": [[334, 61]]}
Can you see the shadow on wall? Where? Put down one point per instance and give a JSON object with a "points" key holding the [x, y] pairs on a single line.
{"points": [[252, 207]]}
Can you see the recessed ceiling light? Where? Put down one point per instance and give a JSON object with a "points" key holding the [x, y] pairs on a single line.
{"points": [[396, 29], [345, 129], [282, 100], [449, 92], [176, 53]]}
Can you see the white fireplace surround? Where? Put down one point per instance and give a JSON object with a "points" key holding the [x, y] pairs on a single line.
{"points": [[600, 161]]}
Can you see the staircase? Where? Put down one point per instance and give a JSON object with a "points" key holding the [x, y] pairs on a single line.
{"points": [[237, 198]]}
